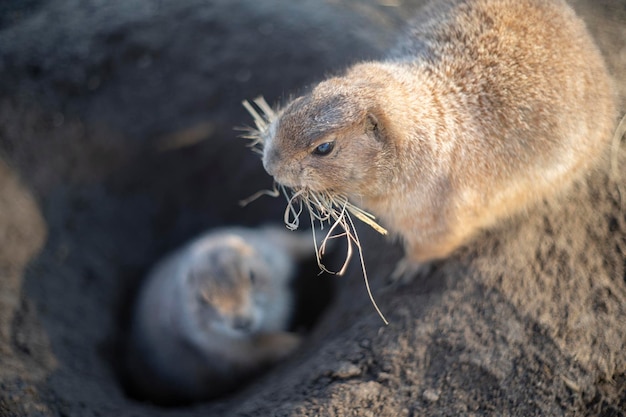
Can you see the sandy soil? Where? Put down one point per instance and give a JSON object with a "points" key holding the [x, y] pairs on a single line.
{"points": [[117, 145]]}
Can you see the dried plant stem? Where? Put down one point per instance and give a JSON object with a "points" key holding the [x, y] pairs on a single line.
{"points": [[261, 121], [367, 283], [335, 211], [324, 207], [272, 193]]}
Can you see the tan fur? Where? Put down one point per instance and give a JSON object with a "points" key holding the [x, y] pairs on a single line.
{"points": [[484, 108], [215, 312]]}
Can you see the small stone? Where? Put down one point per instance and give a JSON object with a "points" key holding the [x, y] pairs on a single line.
{"points": [[347, 370], [431, 395]]}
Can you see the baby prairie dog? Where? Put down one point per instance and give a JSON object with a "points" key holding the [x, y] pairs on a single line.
{"points": [[483, 108], [215, 312]]}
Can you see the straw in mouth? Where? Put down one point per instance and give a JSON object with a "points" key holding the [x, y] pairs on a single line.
{"points": [[324, 207]]}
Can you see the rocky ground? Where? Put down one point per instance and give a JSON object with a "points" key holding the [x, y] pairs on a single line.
{"points": [[117, 145]]}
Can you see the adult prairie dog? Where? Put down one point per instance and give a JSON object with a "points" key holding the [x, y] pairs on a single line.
{"points": [[483, 108], [215, 312]]}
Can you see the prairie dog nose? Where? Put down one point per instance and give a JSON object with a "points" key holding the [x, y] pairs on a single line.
{"points": [[242, 323], [270, 158]]}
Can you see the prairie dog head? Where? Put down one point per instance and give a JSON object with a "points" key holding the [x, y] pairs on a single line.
{"points": [[334, 138], [231, 286]]}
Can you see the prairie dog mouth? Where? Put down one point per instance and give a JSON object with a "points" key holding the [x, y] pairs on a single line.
{"points": [[325, 207]]}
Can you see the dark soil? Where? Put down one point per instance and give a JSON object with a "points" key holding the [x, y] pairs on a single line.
{"points": [[117, 144]]}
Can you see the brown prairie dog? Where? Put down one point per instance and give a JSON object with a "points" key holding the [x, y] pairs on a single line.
{"points": [[483, 108], [215, 312]]}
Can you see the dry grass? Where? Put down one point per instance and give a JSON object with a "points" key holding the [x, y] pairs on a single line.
{"points": [[329, 210]]}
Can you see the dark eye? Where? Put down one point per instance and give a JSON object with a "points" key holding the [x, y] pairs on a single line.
{"points": [[324, 149], [252, 277]]}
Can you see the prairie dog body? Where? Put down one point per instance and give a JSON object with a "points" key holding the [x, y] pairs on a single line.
{"points": [[215, 312], [483, 108]]}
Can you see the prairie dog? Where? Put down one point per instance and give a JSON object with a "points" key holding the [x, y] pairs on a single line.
{"points": [[215, 312], [482, 109]]}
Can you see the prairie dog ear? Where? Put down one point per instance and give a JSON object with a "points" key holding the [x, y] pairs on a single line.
{"points": [[372, 124]]}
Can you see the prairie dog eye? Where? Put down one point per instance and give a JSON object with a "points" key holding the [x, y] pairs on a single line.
{"points": [[324, 149]]}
